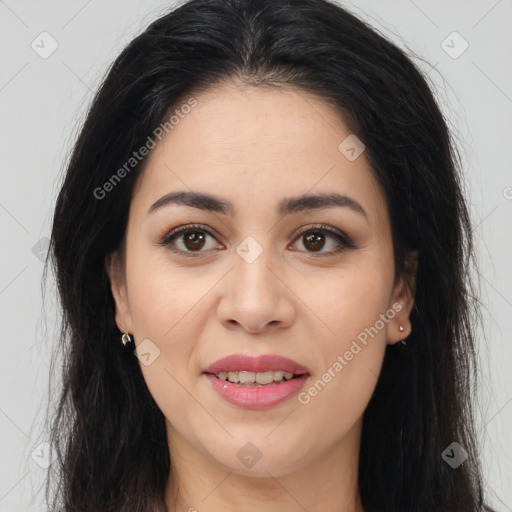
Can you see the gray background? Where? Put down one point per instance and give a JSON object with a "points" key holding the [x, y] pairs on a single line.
{"points": [[42, 101]]}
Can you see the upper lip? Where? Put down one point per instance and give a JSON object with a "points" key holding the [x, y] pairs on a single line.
{"points": [[262, 363]]}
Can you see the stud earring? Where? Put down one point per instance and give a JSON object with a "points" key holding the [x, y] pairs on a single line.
{"points": [[126, 338], [401, 329]]}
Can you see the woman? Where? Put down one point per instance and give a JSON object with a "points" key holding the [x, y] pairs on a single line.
{"points": [[262, 252]]}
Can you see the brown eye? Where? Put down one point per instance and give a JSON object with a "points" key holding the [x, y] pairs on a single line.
{"points": [[188, 240], [315, 241], [193, 240]]}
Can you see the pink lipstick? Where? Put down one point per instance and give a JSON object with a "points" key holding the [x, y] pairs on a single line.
{"points": [[256, 382]]}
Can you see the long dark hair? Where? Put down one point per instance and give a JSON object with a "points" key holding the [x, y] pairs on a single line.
{"points": [[108, 434]]}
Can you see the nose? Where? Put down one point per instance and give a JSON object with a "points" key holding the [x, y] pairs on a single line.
{"points": [[255, 297]]}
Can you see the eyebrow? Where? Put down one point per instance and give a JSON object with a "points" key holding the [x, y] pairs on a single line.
{"points": [[286, 206]]}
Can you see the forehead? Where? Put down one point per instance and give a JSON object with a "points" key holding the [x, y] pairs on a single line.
{"points": [[242, 142]]}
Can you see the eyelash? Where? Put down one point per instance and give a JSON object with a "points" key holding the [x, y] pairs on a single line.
{"points": [[344, 241]]}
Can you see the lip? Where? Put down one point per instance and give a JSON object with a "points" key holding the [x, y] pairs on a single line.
{"points": [[262, 363], [257, 397]]}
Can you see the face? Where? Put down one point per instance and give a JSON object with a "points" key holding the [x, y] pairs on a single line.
{"points": [[257, 272]]}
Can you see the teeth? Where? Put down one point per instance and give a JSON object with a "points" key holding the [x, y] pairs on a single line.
{"points": [[244, 377], [278, 375], [233, 377], [264, 377]]}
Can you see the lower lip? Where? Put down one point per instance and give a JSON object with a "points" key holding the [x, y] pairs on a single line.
{"points": [[257, 397]]}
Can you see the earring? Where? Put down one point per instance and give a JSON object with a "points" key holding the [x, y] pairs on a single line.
{"points": [[401, 329], [126, 338]]}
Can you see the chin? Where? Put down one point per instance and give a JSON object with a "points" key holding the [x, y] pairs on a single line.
{"points": [[251, 462]]}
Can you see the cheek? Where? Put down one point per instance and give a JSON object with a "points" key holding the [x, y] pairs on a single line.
{"points": [[171, 317], [166, 309], [352, 298], [355, 307], [162, 296], [351, 362]]}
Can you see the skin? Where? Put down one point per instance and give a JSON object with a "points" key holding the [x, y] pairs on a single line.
{"points": [[253, 147]]}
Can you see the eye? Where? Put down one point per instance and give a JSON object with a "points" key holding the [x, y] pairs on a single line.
{"points": [[192, 239], [314, 239]]}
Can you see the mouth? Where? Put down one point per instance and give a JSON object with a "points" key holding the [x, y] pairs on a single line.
{"points": [[256, 382]]}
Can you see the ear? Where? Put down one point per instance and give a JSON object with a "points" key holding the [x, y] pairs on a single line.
{"points": [[403, 301], [115, 270]]}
